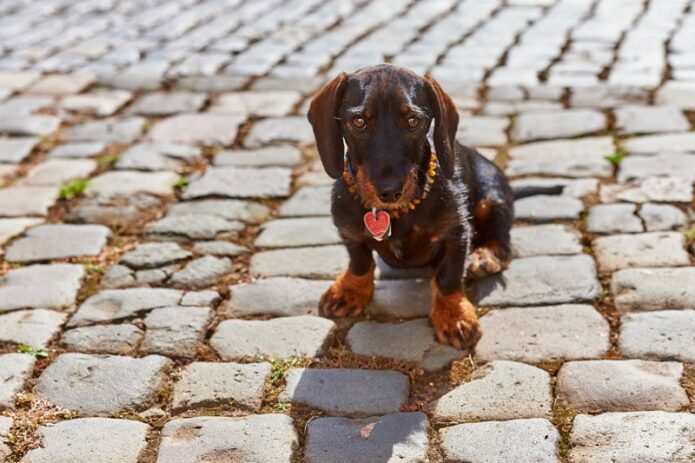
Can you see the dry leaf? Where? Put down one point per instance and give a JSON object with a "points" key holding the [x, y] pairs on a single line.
{"points": [[367, 430]]}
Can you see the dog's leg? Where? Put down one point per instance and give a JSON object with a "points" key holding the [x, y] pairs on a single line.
{"points": [[352, 291], [491, 244], [453, 316]]}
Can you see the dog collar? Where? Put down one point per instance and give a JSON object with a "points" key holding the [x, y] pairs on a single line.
{"points": [[378, 221]]}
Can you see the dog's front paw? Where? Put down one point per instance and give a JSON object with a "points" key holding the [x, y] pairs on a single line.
{"points": [[483, 262], [455, 321], [348, 296]]}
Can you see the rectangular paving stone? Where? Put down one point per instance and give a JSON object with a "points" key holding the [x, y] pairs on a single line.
{"points": [[267, 103], [280, 296], [662, 189], [679, 165], [574, 188], [114, 384], [97, 440], [406, 298], [270, 156], [15, 369], [566, 332], [549, 239], [347, 392], [19, 201], [544, 208], [541, 280], [99, 103], [166, 104], [281, 338], [567, 148], [320, 262], [230, 209], [129, 182], [115, 304], [15, 150], [654, 144], [614, 218], [650, 119], [112, 130], [267, 438], [120, 339], [308, 201], [621, 385], [656, 249], [580, 167], [678, 94], [514, 441], [653, 289], [193, 227], [211, 384], [59, 171], [636, 436], [9, 228], [411, 341], [28, 125], [662, 335], [201, 272], [40, 286], [499, 390], [77, 150], [398, 435], [175, 331], [18, 80], [662, 217], [241, 182], [193, 128], [61, 84], [31, 327], [46, 242], [557, 124], [311, 231], [284, 129]]}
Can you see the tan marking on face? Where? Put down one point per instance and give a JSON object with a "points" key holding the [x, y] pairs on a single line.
{"points": [[367, 192]]}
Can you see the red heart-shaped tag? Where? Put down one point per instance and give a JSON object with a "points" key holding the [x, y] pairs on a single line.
{"points": [[378, 223]]}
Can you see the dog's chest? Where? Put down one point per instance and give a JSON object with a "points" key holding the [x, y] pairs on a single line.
{"points": [[415, 247]]}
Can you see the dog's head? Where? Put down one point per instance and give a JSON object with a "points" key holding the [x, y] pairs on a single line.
{"points": [[384, 113]]}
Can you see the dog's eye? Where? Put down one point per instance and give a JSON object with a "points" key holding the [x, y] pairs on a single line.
{"points": [[413, 122], [358, 122]]}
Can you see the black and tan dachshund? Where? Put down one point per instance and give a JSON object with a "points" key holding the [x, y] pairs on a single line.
{"points": [[448, 208]]}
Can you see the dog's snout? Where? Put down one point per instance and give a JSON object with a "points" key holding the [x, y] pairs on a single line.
{"points": [[390, 192]]}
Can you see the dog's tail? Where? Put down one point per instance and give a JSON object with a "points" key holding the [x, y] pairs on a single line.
{"points": [[532, 190]]}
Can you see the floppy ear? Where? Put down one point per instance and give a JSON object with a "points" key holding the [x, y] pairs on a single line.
{"points": [[446, 120], [322, 116]]}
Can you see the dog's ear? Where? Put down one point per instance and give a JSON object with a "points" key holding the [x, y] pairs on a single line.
{"points": [[322, 116], [446, 120]]}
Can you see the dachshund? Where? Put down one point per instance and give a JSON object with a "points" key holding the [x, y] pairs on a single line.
{"points": [[449, 209]]}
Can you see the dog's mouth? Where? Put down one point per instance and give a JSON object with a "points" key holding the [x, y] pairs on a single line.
{"points": [[369, 196]]}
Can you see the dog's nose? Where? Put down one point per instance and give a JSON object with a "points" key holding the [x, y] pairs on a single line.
{"points": [[390, 192]]}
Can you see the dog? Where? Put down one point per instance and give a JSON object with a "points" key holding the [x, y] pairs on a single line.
{"points": [[449, 209]]}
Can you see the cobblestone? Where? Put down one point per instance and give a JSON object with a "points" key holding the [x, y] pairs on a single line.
{"points": [[31, 327], [282, 338], [399, 435], [347, 392], [621, 385], [543, 333], [662, 335], [653, 289], [102, 440], [280, 296], [47, 242], [658, 249], [541, 280], [527, 441], [15, 369], [115, 384], [636, 436], [200, 438], [213, 384], [498, 391]]}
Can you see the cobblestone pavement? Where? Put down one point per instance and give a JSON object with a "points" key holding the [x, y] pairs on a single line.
{"points": [[166, 236]]}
